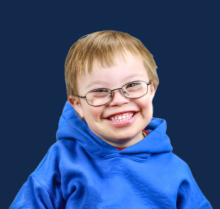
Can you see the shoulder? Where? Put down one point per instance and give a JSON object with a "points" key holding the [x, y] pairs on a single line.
{"points": [[59, 152], [170, 162], [63, 145], [60, 147]]}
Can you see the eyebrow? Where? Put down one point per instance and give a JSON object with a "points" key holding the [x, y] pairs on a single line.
{"points": [[103, 82]]}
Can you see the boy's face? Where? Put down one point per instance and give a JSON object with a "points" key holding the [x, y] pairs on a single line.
{"points": [[112, 78]]}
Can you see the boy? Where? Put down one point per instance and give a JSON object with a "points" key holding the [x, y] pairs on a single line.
{"points": [[110, 151]]}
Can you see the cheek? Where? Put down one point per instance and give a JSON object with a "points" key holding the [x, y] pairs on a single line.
{"points": [[147, 108], [94, 113], [145, 103]]}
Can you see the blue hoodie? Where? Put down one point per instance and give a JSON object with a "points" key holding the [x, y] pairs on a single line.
{"points": [[82, 171]]}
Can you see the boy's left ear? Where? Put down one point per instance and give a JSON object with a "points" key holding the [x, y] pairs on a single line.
{"points": [[153, 88]]}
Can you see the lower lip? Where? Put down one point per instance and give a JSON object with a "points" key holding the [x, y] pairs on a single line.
{"points": [[122, 123]]}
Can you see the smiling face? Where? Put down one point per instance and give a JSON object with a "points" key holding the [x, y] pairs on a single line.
{"points": [[112, 78]]}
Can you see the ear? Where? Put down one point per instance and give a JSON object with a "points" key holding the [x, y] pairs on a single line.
{"points": [[75, 103], [153, 88]]}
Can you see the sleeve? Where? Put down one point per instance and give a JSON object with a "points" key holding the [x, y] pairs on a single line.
{"points": [[33, 194], [43, 187], [189, 194]]}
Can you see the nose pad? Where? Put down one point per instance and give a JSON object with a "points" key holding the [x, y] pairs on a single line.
{"points": [[113, 94], [124, 92], [121, 90]]}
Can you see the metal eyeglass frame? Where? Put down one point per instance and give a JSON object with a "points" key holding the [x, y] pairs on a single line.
{"points": [[121, 89]]}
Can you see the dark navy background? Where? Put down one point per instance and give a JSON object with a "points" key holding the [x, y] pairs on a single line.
{"points": [[35, 39]]}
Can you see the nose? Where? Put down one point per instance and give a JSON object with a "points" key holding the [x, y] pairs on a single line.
{"points": [[118, 96]]}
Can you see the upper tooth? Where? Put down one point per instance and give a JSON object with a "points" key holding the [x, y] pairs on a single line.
{"points": [[122, 116]]}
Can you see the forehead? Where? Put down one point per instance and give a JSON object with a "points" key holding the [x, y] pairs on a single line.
{"points": [[125, 68]]}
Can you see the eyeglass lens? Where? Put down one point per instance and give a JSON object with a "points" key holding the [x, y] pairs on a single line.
{"points": [[102, 96]]}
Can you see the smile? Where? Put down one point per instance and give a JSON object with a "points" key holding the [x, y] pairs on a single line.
{"points": [[120, 121], [123, 117]]}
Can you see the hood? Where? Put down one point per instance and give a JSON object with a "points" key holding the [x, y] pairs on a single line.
{"points": [[72, 128]]}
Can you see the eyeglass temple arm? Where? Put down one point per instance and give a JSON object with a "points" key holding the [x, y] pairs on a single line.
{"points": [[78, 96]]}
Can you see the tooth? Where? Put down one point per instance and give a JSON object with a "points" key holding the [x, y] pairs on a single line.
{"points": [[126, 116]]}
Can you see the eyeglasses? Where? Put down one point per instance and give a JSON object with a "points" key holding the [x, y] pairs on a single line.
{"points": [[102, 96]]}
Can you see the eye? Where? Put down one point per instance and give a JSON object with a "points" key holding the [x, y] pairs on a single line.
{"points": [[132, 84], [100, 90]]}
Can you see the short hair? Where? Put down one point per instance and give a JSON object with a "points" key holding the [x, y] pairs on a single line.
{"points": [[103, 46]]}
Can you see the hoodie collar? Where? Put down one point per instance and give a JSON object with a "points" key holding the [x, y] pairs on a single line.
{"points": [[71, 127]]}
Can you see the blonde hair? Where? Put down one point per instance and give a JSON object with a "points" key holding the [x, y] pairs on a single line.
{"points": [[103, 46]]}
